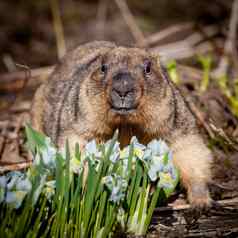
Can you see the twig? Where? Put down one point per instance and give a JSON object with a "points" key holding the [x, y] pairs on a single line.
{"points": [[101, 17], [131, 23], [187, 47], [201, 119], [180, 50], [198, 36], [9, 62], [189, 74], [221, 133], [23, 106], [227, 202], [58, 27], [27, 71], [13, 167], [13, 82], [230, 44], [176, 50], [161, 35]]}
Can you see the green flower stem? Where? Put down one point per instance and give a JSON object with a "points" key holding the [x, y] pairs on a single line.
{"points": [[151, 209], [88, 195], [206, 62]]}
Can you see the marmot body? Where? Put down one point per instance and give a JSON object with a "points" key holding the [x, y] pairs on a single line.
{"points": [[99, 87]]}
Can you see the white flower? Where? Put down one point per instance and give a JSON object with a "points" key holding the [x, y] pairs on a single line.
{"points": [[48, 153], [165, 181], [154, 147], [138, 148], [164, 149], [115, 153], [158, 147], [45, 153], [117, 186], [14, 187], [108, 180], [171, 169], [49, 189], [76, 166], [91, 149], [136, 143], [125, 152], [156, 165], [24, 185], [114, 156], [17, 185], [13, 178], [158, 159], [3, 181], [147, 156], [15, 198]]}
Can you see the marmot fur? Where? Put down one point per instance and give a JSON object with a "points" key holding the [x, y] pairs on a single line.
{"points": [[99, 87]]}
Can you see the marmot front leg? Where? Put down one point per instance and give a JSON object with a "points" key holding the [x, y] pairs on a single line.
{"points": [[193, 159]]}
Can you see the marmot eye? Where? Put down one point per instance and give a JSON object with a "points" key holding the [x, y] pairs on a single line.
{"points": [[104, 68], [147, 68]]}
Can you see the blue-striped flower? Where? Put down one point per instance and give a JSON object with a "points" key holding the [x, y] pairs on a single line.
{"points": [[14, 187], [115, 154], [117, 187]]}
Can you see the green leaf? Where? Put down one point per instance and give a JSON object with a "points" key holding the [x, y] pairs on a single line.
{"points": [[81, 206], [34, 139]]}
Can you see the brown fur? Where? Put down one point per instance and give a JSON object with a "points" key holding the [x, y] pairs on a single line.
{"points": [[76, 104]]}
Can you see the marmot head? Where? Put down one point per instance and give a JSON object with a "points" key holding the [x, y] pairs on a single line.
{"points": [[124, 83]]}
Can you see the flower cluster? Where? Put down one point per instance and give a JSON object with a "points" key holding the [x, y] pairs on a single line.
{"points": [[46, 154], [81, 188], [156, 158], [160, 164], [13, 188], [117, 187]]}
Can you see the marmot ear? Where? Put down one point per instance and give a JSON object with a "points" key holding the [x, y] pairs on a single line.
{"points": [[81, 58], [95, 47]]}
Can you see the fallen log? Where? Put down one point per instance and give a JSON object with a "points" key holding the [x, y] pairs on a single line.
{"points": [[14, 82], [180, 221]]}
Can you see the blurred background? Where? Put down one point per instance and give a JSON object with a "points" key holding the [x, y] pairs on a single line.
{"points": [[30, 29], [196, 40]]}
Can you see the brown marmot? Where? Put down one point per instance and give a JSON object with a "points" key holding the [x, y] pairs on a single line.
{"points": [[99, 87]]}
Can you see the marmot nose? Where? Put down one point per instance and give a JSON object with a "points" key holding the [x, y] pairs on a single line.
{"points": [[123, 84]]}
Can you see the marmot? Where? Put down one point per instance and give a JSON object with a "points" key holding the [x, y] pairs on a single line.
{"points": [[99, 87]]}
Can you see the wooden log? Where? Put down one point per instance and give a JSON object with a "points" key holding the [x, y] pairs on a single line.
{"points": [[14, 82], [180, 221]]}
